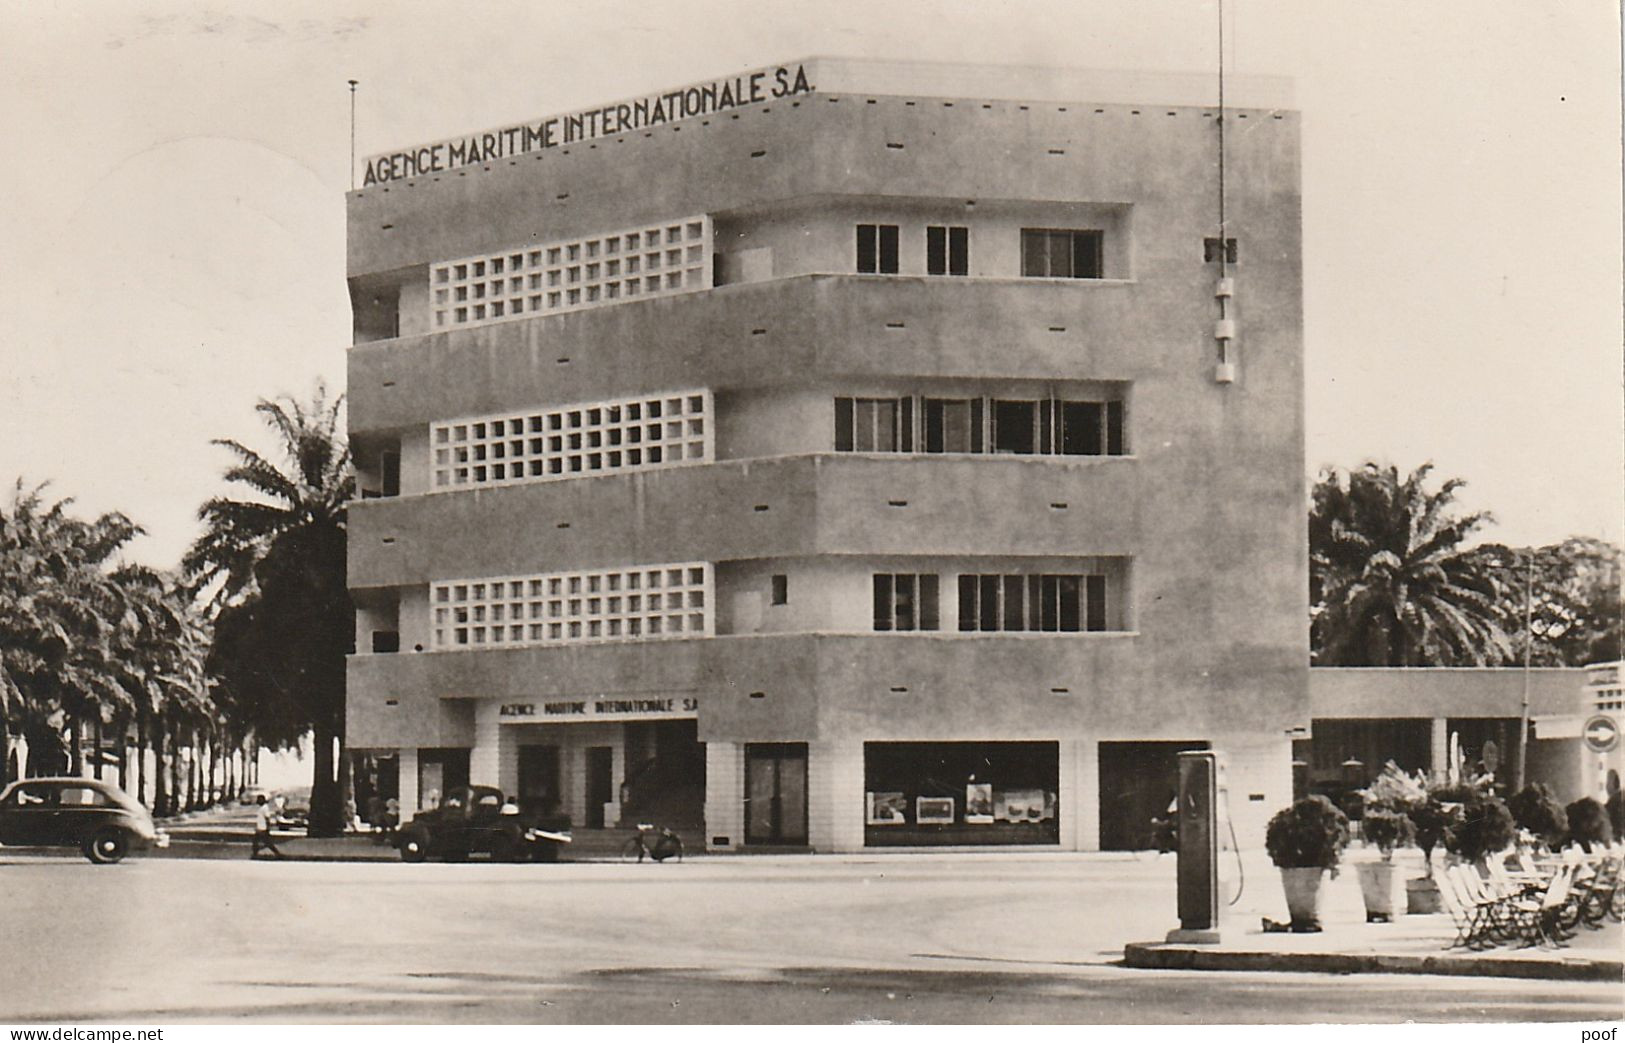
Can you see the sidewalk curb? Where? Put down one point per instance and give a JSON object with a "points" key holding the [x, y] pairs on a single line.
{"points": [[1158, 956]]}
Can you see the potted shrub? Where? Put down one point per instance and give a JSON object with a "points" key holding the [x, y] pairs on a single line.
{"points": [[1386, 829], [1386, 825], [1304, 840], [1436, 817], [1536, 809], [1485, 829], [1588, 823]]}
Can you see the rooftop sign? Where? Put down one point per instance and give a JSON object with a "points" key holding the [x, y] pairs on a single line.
{"points": [[750, 88], [830, 75]]}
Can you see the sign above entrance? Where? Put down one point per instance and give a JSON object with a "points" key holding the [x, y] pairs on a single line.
{"points": [[602, 708], [1601, 733]]}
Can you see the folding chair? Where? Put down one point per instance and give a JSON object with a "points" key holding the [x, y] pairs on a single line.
{"points": [[1480, 920], [1493, 907], [1462, 916]]}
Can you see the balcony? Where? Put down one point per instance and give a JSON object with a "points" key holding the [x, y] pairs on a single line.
{"points": [[808, 686], [781, 507], [779, 332]]}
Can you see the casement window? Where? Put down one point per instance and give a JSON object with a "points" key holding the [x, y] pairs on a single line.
{"points": [[874, 425], [1090, 428], [877, 249], [974, 425], [947, 250], [1056, 253], [1043, 603], [389, 471], [1016, 426], [953, 425], [1058, 426], [905, 601]]}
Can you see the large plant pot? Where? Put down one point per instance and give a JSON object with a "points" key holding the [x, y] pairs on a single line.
{"points": [[1302, 888], [1422, 896], [1377, 881]]}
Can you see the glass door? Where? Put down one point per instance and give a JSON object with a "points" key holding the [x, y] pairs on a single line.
{"points": [[776, 793], [600, 783]]}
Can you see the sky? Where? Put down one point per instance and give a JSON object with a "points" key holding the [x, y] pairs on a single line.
{"points": [[172, 213]]}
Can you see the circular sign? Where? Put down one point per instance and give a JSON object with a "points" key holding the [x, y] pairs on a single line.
{"points": [[1601, 733]]}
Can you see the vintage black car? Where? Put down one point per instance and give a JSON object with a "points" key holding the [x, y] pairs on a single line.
{"points": [[98, 818], [476, 819]]}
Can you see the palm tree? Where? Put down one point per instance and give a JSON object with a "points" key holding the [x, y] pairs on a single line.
{"points": [[1390, 584], [160, 646], [272, 569], [59, 606]]}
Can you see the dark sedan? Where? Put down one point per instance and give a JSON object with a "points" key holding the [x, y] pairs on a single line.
{"points": [[476, 819], [98, 818]]}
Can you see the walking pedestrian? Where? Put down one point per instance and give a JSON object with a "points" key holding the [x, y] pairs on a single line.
{"points": [[264, 815]]}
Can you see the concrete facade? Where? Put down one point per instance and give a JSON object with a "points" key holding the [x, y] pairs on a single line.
{"points": [[1182, 547]]}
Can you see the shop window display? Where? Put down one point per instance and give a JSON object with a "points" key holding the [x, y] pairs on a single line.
{"points": [[961, 793]]}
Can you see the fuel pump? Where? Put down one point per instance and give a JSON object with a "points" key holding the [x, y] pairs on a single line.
{"points": [[1200, 781]]}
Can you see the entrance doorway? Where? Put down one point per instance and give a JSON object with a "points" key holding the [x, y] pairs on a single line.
{"points": [[1138, 780], [600, 783], [664, 777], [776, 793], [440, 772], [539, 779]]}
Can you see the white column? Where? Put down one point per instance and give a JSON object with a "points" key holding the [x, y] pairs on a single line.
{"points": [[725, 794], [1080, 796], [1439, 746], [483, 760], [507, 761], [617, 776], [835, 795], [1258, 767], [409, 782]]}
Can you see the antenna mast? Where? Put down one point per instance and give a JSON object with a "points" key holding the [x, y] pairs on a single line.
{"points": [[1224, 253], [1224, 330], [352, 140]]}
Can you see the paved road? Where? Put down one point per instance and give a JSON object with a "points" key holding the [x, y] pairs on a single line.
{"points": [[766, 939]]}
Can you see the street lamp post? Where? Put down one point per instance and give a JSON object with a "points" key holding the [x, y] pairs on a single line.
{"points": [[1520, 764]]}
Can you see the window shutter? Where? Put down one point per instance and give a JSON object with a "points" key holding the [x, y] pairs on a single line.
{"points": [[843, 425], [928, 602], [936, 251], [888, 249], [958, 251], [1114, 429], [883, 601], [866, 249]]}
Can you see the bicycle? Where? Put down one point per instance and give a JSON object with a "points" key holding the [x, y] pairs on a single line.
{"points": [[1161, 837], [657, 842]]}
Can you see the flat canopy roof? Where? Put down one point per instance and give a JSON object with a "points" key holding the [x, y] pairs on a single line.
{"points": [[1376, 691]]}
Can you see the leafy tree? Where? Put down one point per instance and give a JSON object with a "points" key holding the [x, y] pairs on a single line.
{"points": [[1390, 584], [273, 569], [1574, 599]]}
